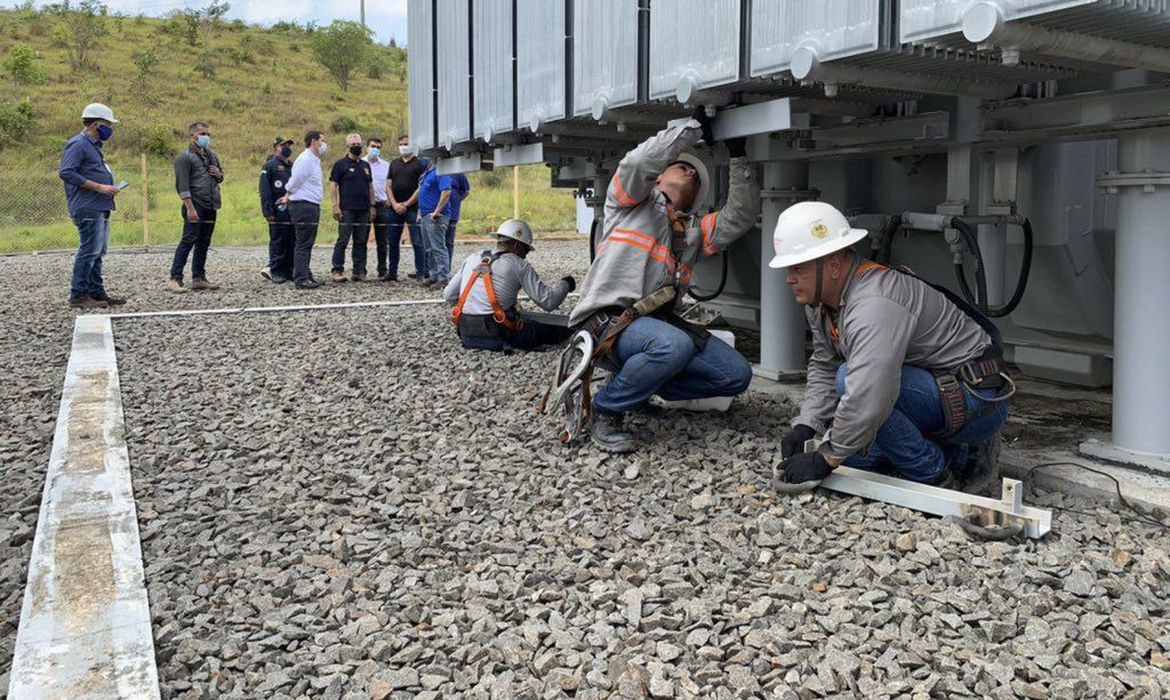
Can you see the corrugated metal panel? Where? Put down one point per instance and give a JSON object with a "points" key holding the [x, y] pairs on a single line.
{"points": [[454, 72], [422, 111], [837, 28], [605, 54], [693, 40], [540, 61], [920, 20], [492, 49]]}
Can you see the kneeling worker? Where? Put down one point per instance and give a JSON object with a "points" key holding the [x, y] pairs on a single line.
{"points": [[484, 294], [652, 239], [909, 377]]}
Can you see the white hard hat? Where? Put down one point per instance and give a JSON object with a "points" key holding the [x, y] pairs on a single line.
{"points": [[97, 110], [704, 178], [517, 230], [811, 230]]}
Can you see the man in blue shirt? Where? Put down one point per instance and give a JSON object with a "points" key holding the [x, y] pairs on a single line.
{"points": [[89, 193], [460, 191], [434, 210]]}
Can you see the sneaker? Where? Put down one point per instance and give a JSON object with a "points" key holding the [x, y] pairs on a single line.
{"points": [[112, 301], [202, 283], [608, 435], [266, 273], [176, 286], [279, 279], [87, 302], [339, 276], [357, 277], [311, 284]]}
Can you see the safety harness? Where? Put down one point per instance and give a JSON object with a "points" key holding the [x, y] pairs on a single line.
{"points": [[479, 325]]}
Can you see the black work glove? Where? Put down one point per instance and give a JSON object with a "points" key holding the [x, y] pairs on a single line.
{"points": [[568, 279], [700, 115], [806, 466], [793, 441], [737, 147]]}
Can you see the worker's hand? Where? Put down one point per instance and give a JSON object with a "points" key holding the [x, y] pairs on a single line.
{"points": [[336, 213], [192, 215], [433, 216], [399, 208], [215, 172], [806, 466], [108, 190], [700, 115], [568, 280], [737, 147], [793, 441], [283, 200], [373, 213]]}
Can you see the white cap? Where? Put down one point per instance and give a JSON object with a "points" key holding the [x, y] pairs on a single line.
{"points": [[97, 110], [517, 230], [811, 230]]}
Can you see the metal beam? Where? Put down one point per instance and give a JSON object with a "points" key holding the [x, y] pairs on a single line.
{"points": [[454, 165], [1084, 115], [527, 154]]}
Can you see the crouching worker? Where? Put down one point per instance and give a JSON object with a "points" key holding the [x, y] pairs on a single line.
{"points": [[909, 376], [651, 241], [484, 294]]}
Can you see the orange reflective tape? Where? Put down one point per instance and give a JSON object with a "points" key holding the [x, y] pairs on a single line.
{"points": [[619, 192], [868, 265], [708, 228]]}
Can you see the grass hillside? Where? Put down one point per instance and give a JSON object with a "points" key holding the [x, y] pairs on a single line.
{"points": [[258, 83]]}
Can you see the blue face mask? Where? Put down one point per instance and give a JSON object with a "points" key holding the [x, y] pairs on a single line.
{"points": [[104, 132], [286, 151], [374, 151], [203, 141]]}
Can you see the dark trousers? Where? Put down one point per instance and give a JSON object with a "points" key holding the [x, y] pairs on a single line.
{"points": [[451, 242], [197, 238], [305, 217], [355, 225], [394, 239], [533, 335], [281, 244], [387, 248]]}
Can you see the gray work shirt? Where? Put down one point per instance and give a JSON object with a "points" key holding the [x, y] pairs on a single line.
{"points": [[192, 179], [886, 319], [510, 274]]}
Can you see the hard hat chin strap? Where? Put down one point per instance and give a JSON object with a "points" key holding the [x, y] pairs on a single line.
{"points": [[816, 300]]}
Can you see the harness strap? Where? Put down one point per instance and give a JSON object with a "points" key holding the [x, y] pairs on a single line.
{"points": [[500, 314]]}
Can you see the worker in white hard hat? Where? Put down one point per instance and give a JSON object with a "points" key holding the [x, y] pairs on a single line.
{"points": [[657, 227], [89, 193], [483, 293], [905, 377]]}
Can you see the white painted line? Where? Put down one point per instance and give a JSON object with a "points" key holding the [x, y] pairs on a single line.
{"points": [[277, 309], [85, 622]]}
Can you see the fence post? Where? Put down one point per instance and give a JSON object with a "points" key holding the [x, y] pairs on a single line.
{"points": [[145, 207], [515, 191]]}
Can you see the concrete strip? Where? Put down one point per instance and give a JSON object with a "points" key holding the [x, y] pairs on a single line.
{"points": [[1147, 491], [85, 622]]}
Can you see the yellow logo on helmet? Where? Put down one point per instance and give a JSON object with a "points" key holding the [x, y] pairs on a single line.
{"points": [[820, 231]]}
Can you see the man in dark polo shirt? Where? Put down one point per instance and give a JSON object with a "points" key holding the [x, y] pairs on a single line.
{"points": [[198, 175], [351, 187], [273, 177], [405, 173]]}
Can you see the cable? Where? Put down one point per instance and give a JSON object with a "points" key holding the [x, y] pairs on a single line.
{"points": [[718, 290], [1141, 515], [1022, 280], [980, 298]]}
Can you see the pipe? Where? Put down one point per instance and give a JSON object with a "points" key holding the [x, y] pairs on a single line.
{"points": [[984, 23], [782, 320], [806, 65]]}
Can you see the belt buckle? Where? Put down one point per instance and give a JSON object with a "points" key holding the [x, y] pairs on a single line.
{"points": [[969, 376]]}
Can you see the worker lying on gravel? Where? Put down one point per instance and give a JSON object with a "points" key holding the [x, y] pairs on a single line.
{"points": [[909, 376], [652, 239], [484, 295]]}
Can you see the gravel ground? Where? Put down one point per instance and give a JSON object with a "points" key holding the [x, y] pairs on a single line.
{"points": [[347, 504]]}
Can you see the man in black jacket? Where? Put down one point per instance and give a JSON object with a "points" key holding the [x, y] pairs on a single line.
{"points": [[273, 177], [198, 175]]}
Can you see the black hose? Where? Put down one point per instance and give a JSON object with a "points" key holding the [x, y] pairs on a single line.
{"points": [[980, 301], [980, 297], [1022, 280], [718, 290], [893, 225]]}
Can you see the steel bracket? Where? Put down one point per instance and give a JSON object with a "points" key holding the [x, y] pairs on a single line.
{"points": [[454, 165]]}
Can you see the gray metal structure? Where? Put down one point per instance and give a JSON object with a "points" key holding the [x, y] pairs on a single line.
{"points": [[987, 110]]}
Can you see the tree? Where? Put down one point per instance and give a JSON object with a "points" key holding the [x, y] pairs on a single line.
{"points": [[210, 18], [23, 64], [342, 48], [82, 26]]}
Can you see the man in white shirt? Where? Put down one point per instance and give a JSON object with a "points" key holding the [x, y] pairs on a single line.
{"points": [[380, 169], [304, 191]]}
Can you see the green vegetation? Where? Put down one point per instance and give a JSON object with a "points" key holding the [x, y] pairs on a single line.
{"points": [[263, 83]]}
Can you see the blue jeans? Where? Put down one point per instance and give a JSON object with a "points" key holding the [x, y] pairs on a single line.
{"points": [[902, 443], [394, 240], [93, 231], [451, 241], [434, 233], [657, 358]]}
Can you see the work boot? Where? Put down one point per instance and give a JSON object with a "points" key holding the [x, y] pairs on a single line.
{"points": [[202, 283], [948, 481], [86, 301], [176, 286], [339, 276], [310, 284], [423, 281], [112, 301], [982, 466], [437, 284], [266, 273], [608, 435], [356, 277]]}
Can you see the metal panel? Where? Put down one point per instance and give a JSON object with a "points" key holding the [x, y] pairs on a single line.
{"points": [[694, 44], [492, 55], [920, 20], [540, 62], [421, 68], [833, 29], [605, 55], [454, 72]]}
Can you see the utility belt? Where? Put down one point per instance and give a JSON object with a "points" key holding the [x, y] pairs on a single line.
{"points": [[987, 371], [608, 323], [486, 326]]}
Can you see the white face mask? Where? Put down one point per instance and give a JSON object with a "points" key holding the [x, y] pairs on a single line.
{"points": [[404, 150], [322, 148]]}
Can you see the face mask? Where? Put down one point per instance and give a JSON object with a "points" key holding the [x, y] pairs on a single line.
{"points": [[355, 150], [286, 151], [321, 148], [375, 151], [203, 141], [105, 133], [404, 150]]}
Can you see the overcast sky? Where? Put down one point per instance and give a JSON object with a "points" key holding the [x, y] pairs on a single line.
{"points": [[386, 17]]}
